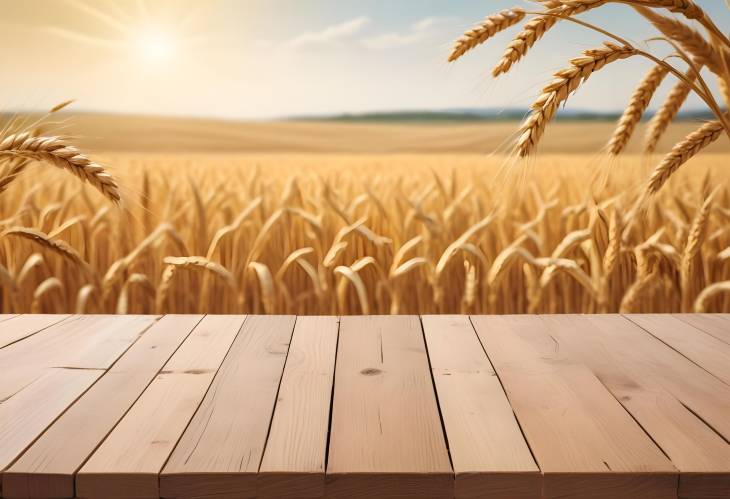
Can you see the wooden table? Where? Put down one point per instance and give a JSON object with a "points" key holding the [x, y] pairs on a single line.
{"points": [[513, 407]]}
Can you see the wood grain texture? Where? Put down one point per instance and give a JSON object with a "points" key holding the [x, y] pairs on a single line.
{"points": [[633, 365], [48, 468], [31, 408], [80, 341], [293, 465], [574, 426], [128, 463], [222, 447], [718, 325], [386, 438], [16, 328], [489, 454], [701, 348]]}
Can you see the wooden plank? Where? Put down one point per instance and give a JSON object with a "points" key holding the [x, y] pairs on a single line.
{"points": [[633, 366], [16, 328], [718, 325], [386, 438], [701, 348], [220, 452], [293, 465], [489, 454], [4, 317], [25, 414], [80, 341], [47, 469], [585, 443], [128, 463]]}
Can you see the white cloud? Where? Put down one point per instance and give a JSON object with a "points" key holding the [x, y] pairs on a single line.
{"points": [[331, 34], [427, 23], [416, 33]]}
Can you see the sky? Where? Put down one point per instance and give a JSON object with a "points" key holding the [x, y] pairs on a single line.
{"points": [[261, 59]]}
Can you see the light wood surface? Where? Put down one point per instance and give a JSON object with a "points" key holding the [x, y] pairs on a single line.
{"points": [[29, 408], [569, 406], [129, 461], [386, 438], [718, 325], [223, 444], [293, 465], [635, 367], [701, 348], [489, 455], [574, 425], [23, 326], [47, 470], [89, 341]]}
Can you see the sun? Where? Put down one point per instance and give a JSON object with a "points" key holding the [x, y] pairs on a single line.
{"points": [[150, 32], [155, 46]]}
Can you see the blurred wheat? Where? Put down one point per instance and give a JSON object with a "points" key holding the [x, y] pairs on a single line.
{"points": [[364, 234]]}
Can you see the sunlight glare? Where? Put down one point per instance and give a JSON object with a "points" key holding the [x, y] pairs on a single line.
{"points": [[155, 46]]}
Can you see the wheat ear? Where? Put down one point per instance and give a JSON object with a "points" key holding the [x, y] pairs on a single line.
{"points": [[682, 152], [57, 152], [533, 30], [485, 30], [635, 109], [201, 263], [567, 80], [700, 305], [703, 53], [695, 237], [16, 168], [667, 112], [57, 246]]}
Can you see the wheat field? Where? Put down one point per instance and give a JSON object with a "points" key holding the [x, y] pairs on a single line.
{"points": [[351, 234]]}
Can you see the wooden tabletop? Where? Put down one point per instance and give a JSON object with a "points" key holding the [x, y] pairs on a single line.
{"points": [[190, 406]]}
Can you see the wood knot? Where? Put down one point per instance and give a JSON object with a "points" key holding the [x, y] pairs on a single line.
{"points": [[370, 371]]}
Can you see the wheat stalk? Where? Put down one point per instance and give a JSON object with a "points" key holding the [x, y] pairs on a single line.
{"points": [[688, 262], [700, 304], [485, 30], [557, 92], [635, 109], [666, 113], [57, 152], [202, 263], [533, 30], [56, 246], [682, 152]]}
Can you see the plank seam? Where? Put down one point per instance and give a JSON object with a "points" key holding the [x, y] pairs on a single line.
{"points": [[679, 473], [674, 349], [276, 397], [332, 399], [704, 421], [632, 416], [59, 321], [504, 390], [25, 449], [680, 317], [10, 316], [96, 447], [436, 396], [549, 328], [192, 416]]}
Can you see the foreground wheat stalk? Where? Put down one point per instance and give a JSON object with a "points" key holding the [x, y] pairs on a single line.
{"points": [[57, 152], [710, 50]]}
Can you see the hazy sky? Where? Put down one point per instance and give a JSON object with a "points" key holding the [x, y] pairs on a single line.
{"points": [[269, 58]]}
